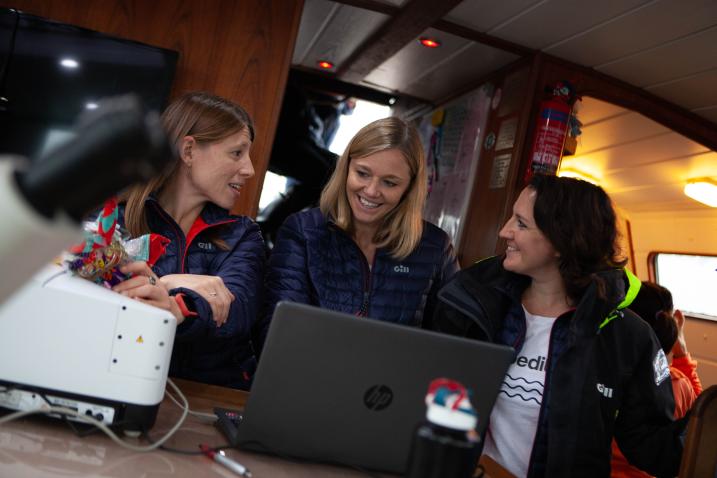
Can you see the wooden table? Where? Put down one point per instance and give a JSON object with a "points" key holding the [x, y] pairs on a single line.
{"points": [[45, 447]]}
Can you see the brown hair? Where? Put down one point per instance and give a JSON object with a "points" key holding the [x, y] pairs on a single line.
{"points": [[402, 227], [205, 117], [579, 220], [654, 304]]}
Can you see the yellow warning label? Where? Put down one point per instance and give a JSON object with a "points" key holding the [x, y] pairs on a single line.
{"points": [[139, 340]]}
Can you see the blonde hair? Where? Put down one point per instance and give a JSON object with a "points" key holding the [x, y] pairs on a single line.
{"points": [[402, 227], [205, 117]]}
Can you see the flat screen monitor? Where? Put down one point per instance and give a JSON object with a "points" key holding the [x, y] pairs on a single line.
{"points": [[50, 72]]}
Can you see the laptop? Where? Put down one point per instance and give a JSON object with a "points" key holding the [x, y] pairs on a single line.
{"points": [[337, 388]]}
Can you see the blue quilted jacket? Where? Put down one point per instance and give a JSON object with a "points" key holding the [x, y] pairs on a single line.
{"points": [[202, 351], [314, 262]]}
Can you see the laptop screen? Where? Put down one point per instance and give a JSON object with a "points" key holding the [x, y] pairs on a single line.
{"points": [[336, 388]]}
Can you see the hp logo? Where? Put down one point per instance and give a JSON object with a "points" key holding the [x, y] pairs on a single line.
{"points": [[378, 397]]}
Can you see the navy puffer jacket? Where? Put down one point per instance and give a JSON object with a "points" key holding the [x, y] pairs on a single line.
{"points": [[202, 351], [315, 262]]}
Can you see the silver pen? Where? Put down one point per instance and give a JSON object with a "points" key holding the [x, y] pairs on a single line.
{"points": [[227, 462]]}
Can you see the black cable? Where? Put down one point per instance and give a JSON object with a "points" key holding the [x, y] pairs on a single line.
{"points": [[184, 452]]}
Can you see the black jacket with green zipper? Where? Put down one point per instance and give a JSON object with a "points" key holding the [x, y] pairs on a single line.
{"points": [[598, 345]]}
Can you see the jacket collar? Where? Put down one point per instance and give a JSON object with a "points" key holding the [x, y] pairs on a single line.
{"points": [[210, 215], [485, 290]]}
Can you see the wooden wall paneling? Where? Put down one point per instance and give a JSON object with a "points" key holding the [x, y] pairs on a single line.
{"points": [[490, 206], [239, 49]]}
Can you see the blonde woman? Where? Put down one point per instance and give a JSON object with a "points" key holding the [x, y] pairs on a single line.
{"points": [[211, 274], [366, 250]]}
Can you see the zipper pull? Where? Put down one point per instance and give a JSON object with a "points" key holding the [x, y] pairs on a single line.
{"points": [[364, 306]]}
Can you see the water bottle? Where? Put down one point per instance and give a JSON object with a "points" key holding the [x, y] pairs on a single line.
{"points": [[446, 444]]}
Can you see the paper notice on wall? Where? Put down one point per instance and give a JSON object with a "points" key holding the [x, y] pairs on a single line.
{"points": [[506, 134], [499, 172], [452, 133]]}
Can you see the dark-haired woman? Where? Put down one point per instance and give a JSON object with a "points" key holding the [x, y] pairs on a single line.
{"points": [[586, 369], [654, 305], [211, 274]]}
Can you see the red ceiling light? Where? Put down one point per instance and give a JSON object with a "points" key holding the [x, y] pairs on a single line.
{"points": [[326, 65], [429, 42]]}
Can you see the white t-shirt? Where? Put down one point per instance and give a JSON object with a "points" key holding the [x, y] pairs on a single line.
{"points": [[514, 419]]}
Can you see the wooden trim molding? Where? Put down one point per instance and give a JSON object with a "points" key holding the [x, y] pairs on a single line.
{"points": [[403, 27], [483, 38]]}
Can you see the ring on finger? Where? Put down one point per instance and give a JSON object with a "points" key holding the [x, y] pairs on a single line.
{"points": [[213, 294], [152, 280]]}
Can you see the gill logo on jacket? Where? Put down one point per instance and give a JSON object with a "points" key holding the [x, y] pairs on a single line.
{"points": [[402, 269], [605, 391], [660, 366]]}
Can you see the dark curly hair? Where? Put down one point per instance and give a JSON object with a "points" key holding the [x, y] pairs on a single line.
{"points": [[654, 304], [579, 220]]}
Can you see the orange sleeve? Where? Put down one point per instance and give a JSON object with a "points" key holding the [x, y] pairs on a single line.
{"points": [[682, 390], [687, 366]]}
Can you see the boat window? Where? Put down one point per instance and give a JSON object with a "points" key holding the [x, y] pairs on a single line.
{"points": [[691, 278]]}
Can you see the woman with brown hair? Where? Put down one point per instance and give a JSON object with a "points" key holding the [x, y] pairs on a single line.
{"points": [[586, 368], [211, 274], [366, 250]]}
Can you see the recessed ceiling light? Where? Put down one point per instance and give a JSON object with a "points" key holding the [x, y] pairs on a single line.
{"points": [[326, 65], [69, 63], [91, 106], [703, 190], [429, 42]]}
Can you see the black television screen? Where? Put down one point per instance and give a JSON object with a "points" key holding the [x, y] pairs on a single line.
{"points": [[50, 72]]}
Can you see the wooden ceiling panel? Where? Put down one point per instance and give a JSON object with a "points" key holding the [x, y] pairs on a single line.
{"points": [[403, 26], [313, 17], [639, 30], [660, 189], [617, 130], [347, 29], [395, 3], [651, 187], [692, 92], [679, 59], [484, 15], [648, 151], [465, 68], [700, 166], [708, 113], [641, 164], [672, 171], [630, 161], [414, 60], [666, 199], [557, 20], [591, 110]]}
